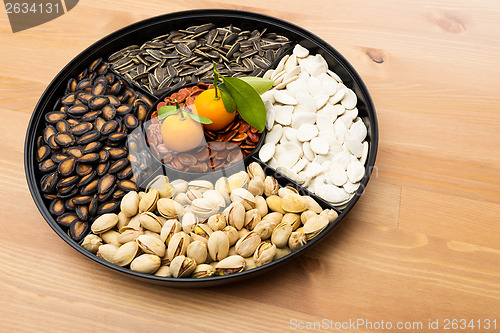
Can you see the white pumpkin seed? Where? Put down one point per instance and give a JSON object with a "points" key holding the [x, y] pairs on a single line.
{"points": [[284, 98], [267, 151], [306, 132], [337, 175], [355, 171], [300, 52], [319, 146]]}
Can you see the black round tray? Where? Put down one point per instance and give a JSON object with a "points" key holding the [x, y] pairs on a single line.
{"points": [[142, 31]]}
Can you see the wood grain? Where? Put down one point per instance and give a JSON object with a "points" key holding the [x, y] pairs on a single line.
{"points": [[422, 243]]}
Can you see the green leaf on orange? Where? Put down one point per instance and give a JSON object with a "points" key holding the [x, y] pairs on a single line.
{"points": [[228, 100], [198, 118], [248, 102], [259, 84], [166, 111]]}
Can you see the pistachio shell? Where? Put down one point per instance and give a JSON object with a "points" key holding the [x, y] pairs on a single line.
{"points": [[91, 243], [129, 235], [237, 180], [230, 265], [306, 216], [188, 222], [244, 196], [130, 203], [311, 204], [178, 245], [261, 205], [217, 222], [236, 215], [281, 234], [151, 244], [274, 218], [150, 221], [264, 229], [104, 223], [146, 263], [170, 227], [264, 253], [297, 240], [149, 200], [107, 252], [182, 266], [274, 204], [111, 237], [125, 254], [292, 219], [282, 252], [315, 225], [203, 270], [330, 214], [123, 220], [256, 171], [169, 208], [232, 234], [163, 271], [222, 186], [256, 186], [218, 245], [252, 218], [201, 232], [293, 203], [246, 246], [271, 186], [197, 250]]}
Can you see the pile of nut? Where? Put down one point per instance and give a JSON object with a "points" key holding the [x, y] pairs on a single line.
{"points": [[200, 229]]}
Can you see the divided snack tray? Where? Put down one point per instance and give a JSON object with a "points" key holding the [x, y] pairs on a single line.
{"points": [[145, 30]]}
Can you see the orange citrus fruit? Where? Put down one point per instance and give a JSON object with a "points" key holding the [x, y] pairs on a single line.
{"points": [[181, 134], [207, 106]]}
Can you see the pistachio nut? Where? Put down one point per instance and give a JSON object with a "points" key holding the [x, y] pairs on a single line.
{"points": [[169, 208], [250, 264], [306, 216], [264, 229], [146, 263], [104, 223], [256, 186], [315, 225], [222, 186], [232, 251], [281, 234], [165, 189], [215, 196], [180, 185], [107, 252], [182, 198], [330, 214], [150, 233], [230, 265], [130, 203], [200, 185], [246, 245], [163, 271], [274, 204], [297, 240], [236, 215], [244, 196], [129, 234], [193, 194], [91, 243], [170, 227], [134, 223], [111, 237], [203, 271], [205, 207], [182, 266], [232, 234], [151, 222], [312, 204], [217, 222], [252, 218], [261, 205], [151, 245], [264, 253], [274, 218], [282, 252], [201, 232], [125, 254], [188, 222], [242, 233], [123, 220], [293, 203], [256, 171], [178, 245], [149, 200], [218, 245], [237, 180], [292, 219], [284, 191], [271, 186], [198, 251]]}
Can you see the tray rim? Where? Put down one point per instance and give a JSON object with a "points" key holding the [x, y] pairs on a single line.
{"points": [[29, 163]]}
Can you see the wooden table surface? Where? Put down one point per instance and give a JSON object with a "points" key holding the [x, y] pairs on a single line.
{"points": [[423, 242]]}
